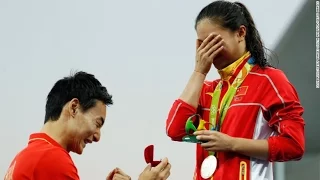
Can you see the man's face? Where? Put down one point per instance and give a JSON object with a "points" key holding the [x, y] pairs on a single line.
{"points": [[85, 126]]}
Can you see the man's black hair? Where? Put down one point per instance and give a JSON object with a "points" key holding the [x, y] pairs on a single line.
{"points": [[83, 86]]}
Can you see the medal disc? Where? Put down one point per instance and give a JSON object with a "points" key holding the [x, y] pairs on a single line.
{"points": [[208, 167]]}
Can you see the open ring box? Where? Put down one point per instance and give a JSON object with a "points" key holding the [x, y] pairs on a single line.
{"points": [[149, 154]]}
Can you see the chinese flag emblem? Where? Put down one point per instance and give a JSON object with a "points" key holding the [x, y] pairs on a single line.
{"points": [[241, 91]]}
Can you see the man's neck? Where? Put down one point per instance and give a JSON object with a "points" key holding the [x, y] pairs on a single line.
{"points": [[55, 130]]}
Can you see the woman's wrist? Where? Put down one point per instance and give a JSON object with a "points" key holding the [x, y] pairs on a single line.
{"points": [[199, 73]]}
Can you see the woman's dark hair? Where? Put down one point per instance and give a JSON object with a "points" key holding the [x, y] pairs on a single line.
{"points": [[231, 16]]}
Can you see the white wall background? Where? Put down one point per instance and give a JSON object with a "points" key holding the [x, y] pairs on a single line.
{"points": [[142, 50]]}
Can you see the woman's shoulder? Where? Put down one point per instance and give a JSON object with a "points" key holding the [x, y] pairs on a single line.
{"points": [[209, 85], [269, 74], [271, 79]]}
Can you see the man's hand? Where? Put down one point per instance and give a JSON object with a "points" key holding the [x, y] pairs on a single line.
{"points": [[215, 141], [118, 174], [160, 172]]}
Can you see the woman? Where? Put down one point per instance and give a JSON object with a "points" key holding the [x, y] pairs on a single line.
{"points": [[253, 113]]}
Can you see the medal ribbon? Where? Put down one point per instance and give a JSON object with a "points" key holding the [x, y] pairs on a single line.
{"points": [[218, 110]]}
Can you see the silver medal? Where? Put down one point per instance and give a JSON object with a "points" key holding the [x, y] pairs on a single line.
{"points": [[208, 167]]}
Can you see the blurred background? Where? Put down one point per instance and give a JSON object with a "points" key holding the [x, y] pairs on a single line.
{"points": [[143, 51], [297, 58]]}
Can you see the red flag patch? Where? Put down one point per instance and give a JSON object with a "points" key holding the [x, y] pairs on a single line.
{"points": [[241, 91]]}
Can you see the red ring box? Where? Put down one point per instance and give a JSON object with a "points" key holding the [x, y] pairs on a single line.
{"points": [[148, 156]]}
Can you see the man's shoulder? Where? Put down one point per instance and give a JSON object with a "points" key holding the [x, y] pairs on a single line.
{"points": [[44, 152], [55, 154], [56, 162], [42, 162], [43, 156]]}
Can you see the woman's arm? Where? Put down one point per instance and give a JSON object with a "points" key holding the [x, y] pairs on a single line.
{"points": [[254, 148], [188, 102], [184, 107], [192, 91], [284, 117], [288, 145]]}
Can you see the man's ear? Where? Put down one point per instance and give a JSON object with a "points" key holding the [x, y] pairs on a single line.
{"points": [[73, 107], [241, 33]]}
